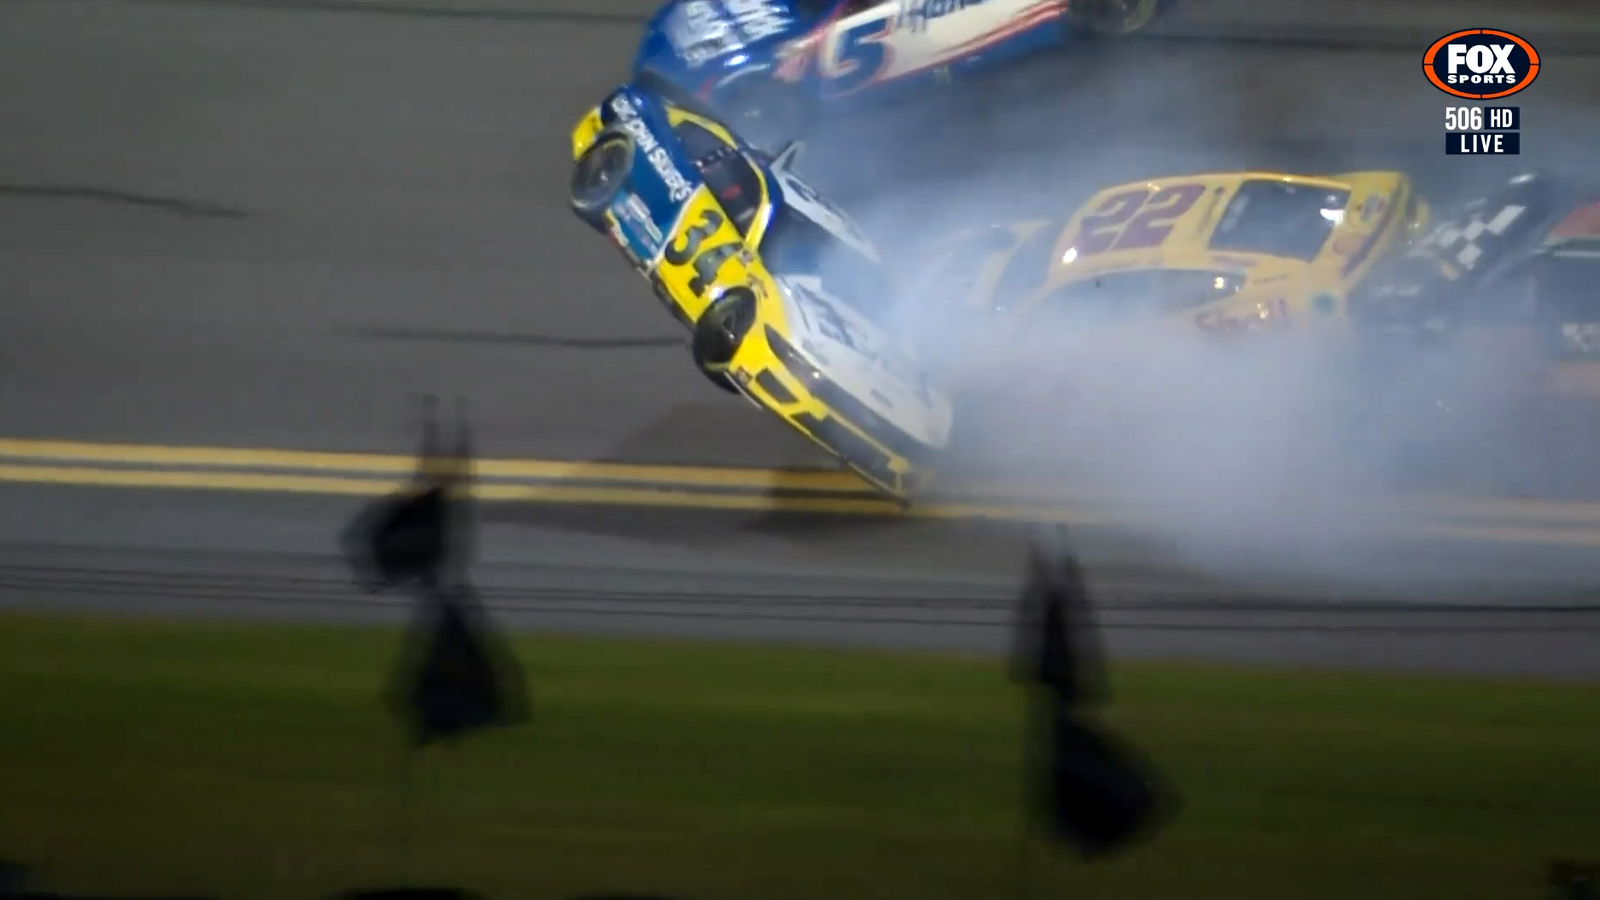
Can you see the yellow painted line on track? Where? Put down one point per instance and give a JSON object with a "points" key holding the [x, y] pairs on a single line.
{"points": [[703, 487], [261, 482], [1509, 534], [348, 463], [43, 452], [564, 494]]}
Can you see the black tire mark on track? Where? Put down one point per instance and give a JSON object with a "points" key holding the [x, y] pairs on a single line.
{"points": [[174, 205]]}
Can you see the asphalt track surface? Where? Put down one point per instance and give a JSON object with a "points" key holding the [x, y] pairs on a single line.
{"points": [[242, 226]]}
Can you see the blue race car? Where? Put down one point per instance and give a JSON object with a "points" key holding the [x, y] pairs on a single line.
{"points": [[764, 66]]}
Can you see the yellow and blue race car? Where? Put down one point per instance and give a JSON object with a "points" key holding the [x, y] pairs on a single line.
{"points": [[781, 291], [1229, 252]]}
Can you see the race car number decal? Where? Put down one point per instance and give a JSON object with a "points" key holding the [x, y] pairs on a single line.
{"points": [[706, 262], [861, 57], [1137, 219]]}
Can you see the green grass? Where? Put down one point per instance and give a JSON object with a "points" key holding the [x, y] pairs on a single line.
{"points": [[254, 762]]}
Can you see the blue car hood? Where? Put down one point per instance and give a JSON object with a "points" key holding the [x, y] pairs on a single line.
{"points": [[696, 33]]}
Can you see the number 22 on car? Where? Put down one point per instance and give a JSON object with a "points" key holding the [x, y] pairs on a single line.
{"points": [[1137, 219]]}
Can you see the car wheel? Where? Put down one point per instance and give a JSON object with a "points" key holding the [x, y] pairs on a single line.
{"points": [[719, 333], [599, 175], [1113, 18], [765, 113]]}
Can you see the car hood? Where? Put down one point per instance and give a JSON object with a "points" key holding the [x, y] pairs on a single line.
{"points": [[880, 372]]}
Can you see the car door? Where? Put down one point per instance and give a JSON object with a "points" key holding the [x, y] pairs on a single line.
{"points": [[876, 41]]}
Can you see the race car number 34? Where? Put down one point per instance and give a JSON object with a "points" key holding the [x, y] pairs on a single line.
{"points": [[706, 261]]}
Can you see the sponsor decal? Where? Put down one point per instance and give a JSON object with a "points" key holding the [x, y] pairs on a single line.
{"points": [[638, 215], [702, 30], [757, 19], [700, 33], [917, 14], [660, 160]]}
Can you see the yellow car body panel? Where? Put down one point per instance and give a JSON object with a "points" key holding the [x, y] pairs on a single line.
{"points": [[705, 256], [1168, 225]]}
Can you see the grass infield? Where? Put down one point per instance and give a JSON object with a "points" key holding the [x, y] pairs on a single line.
{"points": [[255, 761]]}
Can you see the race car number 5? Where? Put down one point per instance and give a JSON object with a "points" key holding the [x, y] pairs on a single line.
{"points": [[706, 262], [1137, 219]]}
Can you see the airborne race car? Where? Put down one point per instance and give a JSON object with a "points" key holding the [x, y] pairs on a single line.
{"points": [[765, 66], [778, 288]]}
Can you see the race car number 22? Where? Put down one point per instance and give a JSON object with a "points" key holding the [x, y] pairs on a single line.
{"points": [[706, 261], [1137, 219]]}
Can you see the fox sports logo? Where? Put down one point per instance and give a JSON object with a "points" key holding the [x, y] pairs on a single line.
{"points": [[1481, 64]]}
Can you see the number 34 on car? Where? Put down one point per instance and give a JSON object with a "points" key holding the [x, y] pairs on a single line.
{"points": [[781, 292]]}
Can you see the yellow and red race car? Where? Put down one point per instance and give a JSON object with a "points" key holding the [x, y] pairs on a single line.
{"points": [[1228, 252]]}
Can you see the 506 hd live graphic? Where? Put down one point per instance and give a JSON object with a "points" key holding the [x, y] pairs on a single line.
{"points": [[1481, 64]]}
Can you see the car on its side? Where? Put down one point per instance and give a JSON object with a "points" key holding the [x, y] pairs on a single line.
{"points": [[780, 290], [766, 67]]}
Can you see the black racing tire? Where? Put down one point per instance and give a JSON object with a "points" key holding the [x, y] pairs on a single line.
{"points": [[599, 175], [720, 331], [765, 113], [1113, 19]]}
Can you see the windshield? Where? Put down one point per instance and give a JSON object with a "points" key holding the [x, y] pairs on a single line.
{"points": [[1133, 294], [795, 245], [1280, 218]]}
